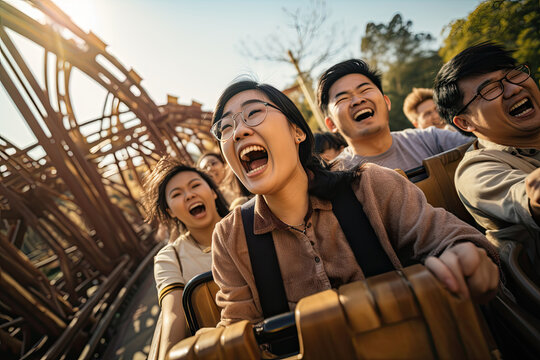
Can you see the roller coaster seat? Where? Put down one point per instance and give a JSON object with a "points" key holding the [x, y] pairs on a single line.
{"points": [[199, 301], [438, 186], [399, 314]]}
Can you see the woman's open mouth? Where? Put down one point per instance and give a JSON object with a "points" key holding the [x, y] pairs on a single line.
{"points": [[197, 209], [254, 159]]}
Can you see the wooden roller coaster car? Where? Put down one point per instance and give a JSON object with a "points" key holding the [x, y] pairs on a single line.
{"points": [[397, 315]]}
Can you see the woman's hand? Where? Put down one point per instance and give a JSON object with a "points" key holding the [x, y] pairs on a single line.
{"points": [[466, 270]]}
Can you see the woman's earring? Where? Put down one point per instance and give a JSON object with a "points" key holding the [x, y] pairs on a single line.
{"points": [[299, 140]]}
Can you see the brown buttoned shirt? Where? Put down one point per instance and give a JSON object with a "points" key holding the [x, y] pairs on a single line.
{"points": [[405, 224]]}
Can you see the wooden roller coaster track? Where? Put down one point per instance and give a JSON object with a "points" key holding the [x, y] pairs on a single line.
{"points": [[71, 226]]}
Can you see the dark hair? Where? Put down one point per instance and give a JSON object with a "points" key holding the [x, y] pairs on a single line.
{"points": [[322, 182], [154, 198], [336, 72], [479, 59], [328, 140]]}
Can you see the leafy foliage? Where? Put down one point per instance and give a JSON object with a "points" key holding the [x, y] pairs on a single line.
{"points": [[515, 24]]}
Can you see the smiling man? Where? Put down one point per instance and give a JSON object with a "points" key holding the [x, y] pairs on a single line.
{"points": [[421, 110], [351, 97], [484, 92]]}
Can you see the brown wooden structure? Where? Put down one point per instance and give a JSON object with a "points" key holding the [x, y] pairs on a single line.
{"points": [[397, 315], [71, 227]]}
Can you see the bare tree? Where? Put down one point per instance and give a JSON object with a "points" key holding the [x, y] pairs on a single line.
{"points": [[308, 35], [308, 40]]}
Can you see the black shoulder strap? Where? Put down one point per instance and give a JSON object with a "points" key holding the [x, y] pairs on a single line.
{"points": [[362, 239], [360, 235], [265, 265]]}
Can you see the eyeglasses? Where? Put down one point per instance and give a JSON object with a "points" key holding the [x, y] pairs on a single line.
{"points": [[252, 115], [494, 89]]}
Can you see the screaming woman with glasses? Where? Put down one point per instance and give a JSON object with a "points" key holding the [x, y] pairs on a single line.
{"points": [[315, 230]]}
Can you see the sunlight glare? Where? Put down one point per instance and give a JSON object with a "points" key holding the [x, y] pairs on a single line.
{"points": [[82, 12]]}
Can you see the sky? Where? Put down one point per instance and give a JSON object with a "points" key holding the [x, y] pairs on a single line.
{"points": [[192, 49]]}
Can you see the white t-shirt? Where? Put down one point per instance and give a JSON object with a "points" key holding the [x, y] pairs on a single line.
{"points": [[169, 274]]}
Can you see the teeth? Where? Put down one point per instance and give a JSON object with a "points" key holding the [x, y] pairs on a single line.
{"points": [[361, 112], [195, 205], [524, 112], [248, 150], [256, 169], [518, 104]]}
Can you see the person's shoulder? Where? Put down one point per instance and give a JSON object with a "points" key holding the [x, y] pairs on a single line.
{"points": [[411, 134], [445, 139], [429, 132], [167, 251], [408, 132], [168, 248], [448, 134], [343, 155], [228, 224], [231, 216], [482, 150], [482, 162], [370, 172], [485, 162], [346, 160], [380, 183]]}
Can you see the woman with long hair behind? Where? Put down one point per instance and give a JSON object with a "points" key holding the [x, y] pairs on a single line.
{"points": [[186, 198]]}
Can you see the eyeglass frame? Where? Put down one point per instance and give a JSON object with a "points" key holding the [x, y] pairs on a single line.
{"points": [[234, 116], [501, 86]]}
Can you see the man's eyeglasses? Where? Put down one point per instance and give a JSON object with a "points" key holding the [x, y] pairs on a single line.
{"points": [[494, 89], [252, 115]]}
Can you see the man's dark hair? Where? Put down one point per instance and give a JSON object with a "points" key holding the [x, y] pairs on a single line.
{"points": [[479, 59], [336, 72]]}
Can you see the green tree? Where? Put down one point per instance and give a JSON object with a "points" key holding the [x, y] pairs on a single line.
{"points": [[515, 24], [404, 58]]}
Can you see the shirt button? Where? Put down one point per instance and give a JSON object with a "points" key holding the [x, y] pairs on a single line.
{"points": [[317, 259], [308, 225], [312, 243]]}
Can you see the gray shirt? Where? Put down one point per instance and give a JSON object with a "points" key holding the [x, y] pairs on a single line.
{"points": [[409, 147]]}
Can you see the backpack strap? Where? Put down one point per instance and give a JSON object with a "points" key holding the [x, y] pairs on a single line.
{"points": [[265, 265], [360, 235]]}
